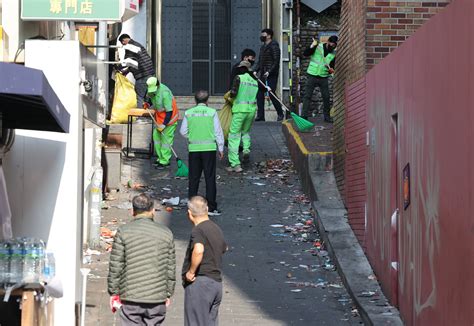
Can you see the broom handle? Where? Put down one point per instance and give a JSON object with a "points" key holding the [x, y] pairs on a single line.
{"points": [[271, 92], [156, 124]]}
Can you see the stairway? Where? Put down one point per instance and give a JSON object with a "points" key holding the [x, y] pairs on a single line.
{"points": [[217, 102]]}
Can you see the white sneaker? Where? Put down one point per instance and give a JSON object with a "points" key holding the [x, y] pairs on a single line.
{"points": [[236, 168], [215, 212]]}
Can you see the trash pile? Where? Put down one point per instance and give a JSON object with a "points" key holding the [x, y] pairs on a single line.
{"points": [[278, 168]]}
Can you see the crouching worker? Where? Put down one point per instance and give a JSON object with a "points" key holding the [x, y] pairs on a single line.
{"points": [[160, 98]]}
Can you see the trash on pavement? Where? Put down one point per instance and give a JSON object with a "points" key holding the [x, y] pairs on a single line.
{"points": [[106, 232], [123, 205], [174, 201]]}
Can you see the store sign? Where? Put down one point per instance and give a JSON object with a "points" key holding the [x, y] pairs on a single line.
{"points": [[77, 10]]}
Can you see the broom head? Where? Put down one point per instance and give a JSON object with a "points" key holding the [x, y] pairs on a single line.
{"points": [[182, 170], [302, 124]]}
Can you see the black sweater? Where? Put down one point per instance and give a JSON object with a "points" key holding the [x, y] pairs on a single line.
{"points": [[146, 68]]}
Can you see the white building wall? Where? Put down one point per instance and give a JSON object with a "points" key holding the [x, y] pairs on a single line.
{"points": [[136, 26], [44, 174]]}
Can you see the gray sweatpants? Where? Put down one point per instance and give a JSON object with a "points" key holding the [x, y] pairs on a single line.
{"points": [[201, 302], [147, 314]]}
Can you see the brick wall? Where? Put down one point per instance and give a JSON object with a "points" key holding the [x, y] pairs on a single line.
{"points": [[390, 23], [350, 66]]}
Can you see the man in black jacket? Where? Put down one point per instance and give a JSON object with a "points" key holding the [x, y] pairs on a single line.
{"points": [[145, 69], [267, 70]]}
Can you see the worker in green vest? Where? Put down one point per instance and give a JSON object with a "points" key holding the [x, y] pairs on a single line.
{"points": [[244, 91], [160, 98], [321, 66], [202, 128]]}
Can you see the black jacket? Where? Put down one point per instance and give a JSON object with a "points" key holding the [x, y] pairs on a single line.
{"points": [[269, 59], [146, 68]]}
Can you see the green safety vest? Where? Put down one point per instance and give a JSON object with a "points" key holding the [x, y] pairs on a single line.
{"points": [[246, 99], [201, 135], [318, 63]]}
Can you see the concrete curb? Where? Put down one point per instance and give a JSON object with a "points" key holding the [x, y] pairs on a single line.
{"points": [[315, 170]]}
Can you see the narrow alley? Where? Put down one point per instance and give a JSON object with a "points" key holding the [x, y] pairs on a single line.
{"points": [[273, 273]]}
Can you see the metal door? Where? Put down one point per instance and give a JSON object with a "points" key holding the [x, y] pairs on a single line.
{"points": [[176, 45], [211, 58], [201, 39], [246, 27]]}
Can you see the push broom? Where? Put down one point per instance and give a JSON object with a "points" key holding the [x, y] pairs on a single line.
{"points": [[302, 124], [182, 170]]}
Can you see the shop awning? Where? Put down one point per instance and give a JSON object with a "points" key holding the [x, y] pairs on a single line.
{"points": [[27, 101]]}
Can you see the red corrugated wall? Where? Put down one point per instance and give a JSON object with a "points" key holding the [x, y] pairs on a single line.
{"points": [[420, 111], [356, 155]]}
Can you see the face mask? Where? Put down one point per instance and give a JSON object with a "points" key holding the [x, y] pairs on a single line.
{"points": [[331, 48], [263, 38], [252, 62]]}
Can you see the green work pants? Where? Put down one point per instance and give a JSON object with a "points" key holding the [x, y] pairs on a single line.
{"points": [[239, 129], [163, 141]]}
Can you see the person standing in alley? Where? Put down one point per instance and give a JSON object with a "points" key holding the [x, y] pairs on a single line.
{"points": [[202, 267], [142, 267], [321, 66], [244, 91], [246, 55], [267, 69], [202, 128], [160, 99], [145, 69]]}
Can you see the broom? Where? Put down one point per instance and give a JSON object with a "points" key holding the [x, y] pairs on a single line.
{"points": [[182, 170], [302, 124]]}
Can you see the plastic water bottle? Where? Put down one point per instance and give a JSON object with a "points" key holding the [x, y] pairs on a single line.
{"points": [[16, 261], [4, 262], [29, 263], [49, 269], [40, 256]]}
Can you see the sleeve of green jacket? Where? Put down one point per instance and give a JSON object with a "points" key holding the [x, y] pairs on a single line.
{"points": [[167, 101], [117, 262], [171, 279]]}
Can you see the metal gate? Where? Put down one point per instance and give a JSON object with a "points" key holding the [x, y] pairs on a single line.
{"points": [[201, 39]]}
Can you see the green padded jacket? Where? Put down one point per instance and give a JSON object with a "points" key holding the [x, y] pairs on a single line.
{"points": [[142, 262]]}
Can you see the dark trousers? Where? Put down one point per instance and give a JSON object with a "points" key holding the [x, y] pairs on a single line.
{"points": [[323, 84], [148, 314], [201, 302], [199, 162], [141, 89], [272, 82]]}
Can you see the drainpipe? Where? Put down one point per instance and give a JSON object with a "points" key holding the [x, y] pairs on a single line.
{"points": [[269, 14], [298, 58], [102, 40]]}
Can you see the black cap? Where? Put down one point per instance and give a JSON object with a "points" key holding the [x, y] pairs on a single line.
{"points": [[333, 39]]}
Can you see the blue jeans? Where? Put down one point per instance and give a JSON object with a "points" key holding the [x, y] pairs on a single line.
{"points": [[141, 89], [272, 82]]}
